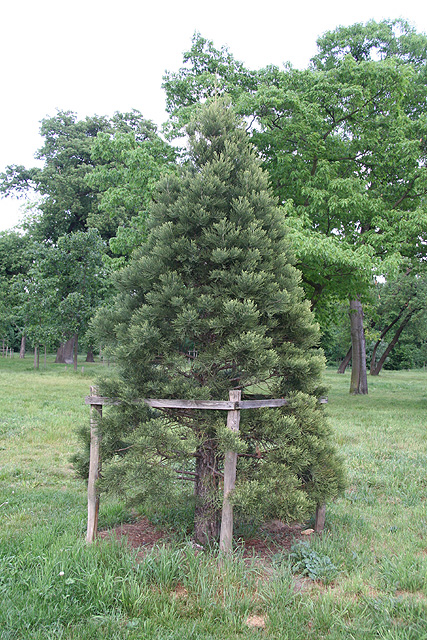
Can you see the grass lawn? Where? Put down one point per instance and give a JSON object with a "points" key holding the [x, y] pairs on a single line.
{"points": [[367, 575]]}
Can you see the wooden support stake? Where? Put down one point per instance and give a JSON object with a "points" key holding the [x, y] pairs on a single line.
{"points": [[320, 518], [230, 463], [94, 470]]}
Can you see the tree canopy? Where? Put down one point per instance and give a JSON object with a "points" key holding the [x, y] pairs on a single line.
{"points": [[97, 172], [65, 198], [129, 162], [344, 144]]}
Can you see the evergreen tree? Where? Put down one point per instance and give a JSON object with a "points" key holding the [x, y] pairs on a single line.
{"points": [[215, 280]]}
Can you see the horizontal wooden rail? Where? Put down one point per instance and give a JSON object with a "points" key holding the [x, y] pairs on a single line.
{"points": [[219, 405]]}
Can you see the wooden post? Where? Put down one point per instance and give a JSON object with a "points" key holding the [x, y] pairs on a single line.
{"points": [[320, 518], [94, 470], [230, 463]]}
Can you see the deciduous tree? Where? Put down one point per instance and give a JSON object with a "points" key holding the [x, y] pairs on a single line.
{"points": [[129, 160], [400, 302], [97, 172], [65, 197], [344, 144], [16, 257]]}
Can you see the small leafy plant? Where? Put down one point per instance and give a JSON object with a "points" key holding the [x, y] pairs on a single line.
{"points": [[308, 562]]}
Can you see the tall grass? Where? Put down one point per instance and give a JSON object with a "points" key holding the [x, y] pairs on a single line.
{"points": [[365, 578]]}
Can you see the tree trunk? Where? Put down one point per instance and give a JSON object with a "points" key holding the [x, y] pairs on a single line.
{"points": [[65, 353], [378, 342], [36, 356], [22, 349], [374, 358], [359, 378], [89, 357], [45, 356], [391, 345], [76, 348], [206, 520], [344, 364], [60, 354]]}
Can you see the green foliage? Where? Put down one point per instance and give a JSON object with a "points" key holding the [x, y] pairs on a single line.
{"points": [[308, 562], [96, 181], [63, 287], [207, 73], [97, 172], [215, 273], [343, 143], [344, 146], [15, 253], [411, 350], [336, 337], [399, 320], [381, 40], [302, 457], [16, 257], [128, 163], [66, 199]]}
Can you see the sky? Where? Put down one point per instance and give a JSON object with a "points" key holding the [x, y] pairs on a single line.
{"points": [[98, 57]]}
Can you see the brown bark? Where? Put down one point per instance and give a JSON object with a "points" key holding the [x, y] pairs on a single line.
{"points": [[391, 345], [89, 357], [22, 349], [346, 361], [206, 519], [359, 378], [378, 342], [75, 351], [320, 518], [36, 357], [60, 354], [65, 353]]}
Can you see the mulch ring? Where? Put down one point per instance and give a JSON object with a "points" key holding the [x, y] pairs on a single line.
{"points": [[274, 538], [140, 535]]}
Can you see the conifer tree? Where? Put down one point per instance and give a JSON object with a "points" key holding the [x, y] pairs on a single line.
{"points": [[211, 302]]}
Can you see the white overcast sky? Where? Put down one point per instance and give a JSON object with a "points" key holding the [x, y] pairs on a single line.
{"points": [[97, 56]]}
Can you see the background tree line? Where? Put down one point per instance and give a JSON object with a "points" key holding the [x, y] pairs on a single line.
{"points": [[344, 143]]}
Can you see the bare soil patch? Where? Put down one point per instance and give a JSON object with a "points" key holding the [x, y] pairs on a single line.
{"points": [[139, 534], [273, 538]]}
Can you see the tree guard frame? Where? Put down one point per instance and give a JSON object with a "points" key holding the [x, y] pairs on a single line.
{"points": [[233, 407]]}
